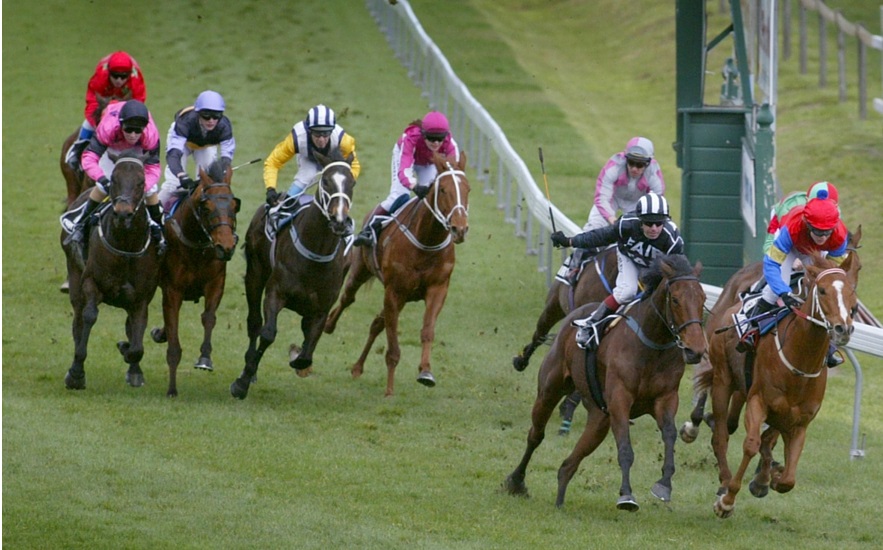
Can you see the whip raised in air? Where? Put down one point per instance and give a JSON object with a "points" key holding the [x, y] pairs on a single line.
{"points": [[246, 163], [548, 198]]}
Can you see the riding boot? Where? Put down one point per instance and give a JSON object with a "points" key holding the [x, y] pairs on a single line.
{"points": [[834, 359], [587, 325], [78, 232], [367, 235], [748, 339], [72, 158], [156, 228]]}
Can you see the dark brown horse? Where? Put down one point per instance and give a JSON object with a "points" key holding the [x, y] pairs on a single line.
{"points": [[736, 285], [640, 362], [201, 237], [789, 376], [302, 269], [76, 181], [594, 284], [120, 270], [414, 258]]}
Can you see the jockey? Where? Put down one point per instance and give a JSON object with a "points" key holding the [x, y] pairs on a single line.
{"points": [[199, 130], [640, 236], [626, 177], [412, 167], [791, 201], [123, 126], [320, 132], [117, 76], [814, 227]]}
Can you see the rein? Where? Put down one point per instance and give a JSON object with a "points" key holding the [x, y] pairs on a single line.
{"points": [[208, 243], [666, 319], [444, 220], [138, 206], [324, 198]]}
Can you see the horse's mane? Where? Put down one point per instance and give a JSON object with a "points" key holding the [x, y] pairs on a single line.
{"points": [[653, 276], [218, 169]]}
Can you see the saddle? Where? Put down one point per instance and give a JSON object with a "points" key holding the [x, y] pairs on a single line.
{"points": [[747, 322], [283, 213], [71, 218]]}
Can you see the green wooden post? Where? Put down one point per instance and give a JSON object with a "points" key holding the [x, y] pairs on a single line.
{"points": [[765, 186]]}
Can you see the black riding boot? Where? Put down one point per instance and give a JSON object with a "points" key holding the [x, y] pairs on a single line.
{"points": [[747, 342], [156, 228], [586, 330], [75, 152], [367, 235], [833, 359], [78, 233]]}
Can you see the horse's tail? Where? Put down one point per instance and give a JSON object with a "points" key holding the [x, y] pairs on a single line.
{"points": [[703, 376]]}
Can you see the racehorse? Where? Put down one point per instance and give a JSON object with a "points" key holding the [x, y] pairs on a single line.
{"points": [[639, 367], [201, 239], [593, 286], [414, 259], [788, 378], [301, 270], [718, 317], [77, 181], [121, 269]]}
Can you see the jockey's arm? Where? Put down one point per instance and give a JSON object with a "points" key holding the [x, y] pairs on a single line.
{"points": [[282, 153]]}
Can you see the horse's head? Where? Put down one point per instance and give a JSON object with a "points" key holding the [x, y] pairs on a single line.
{"points": [[334, 196], [216, 207], [832, 300], [126, 188], [684, 303], [448, 196]]}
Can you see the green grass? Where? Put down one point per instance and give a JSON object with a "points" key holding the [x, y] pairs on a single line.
{"points": [[327, 461]]}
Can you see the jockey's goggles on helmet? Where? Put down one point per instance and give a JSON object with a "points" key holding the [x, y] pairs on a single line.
{"points": [[210, 115], [820, 232], [320, 132], [435, 136], [637, 163], [119, 76]]}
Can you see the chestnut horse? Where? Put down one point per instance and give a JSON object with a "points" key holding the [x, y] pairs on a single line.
{"points": [[737, 284], [594, 284], [301, 269], [201, 237], [640, 363], [121, 269], [413, 258], [789, 377]]}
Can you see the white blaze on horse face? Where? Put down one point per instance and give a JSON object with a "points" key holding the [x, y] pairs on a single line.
{"points": [[341, 212], [844, 311]]}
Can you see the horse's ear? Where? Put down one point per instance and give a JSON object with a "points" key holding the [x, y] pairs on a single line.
{"points": [[349, 159], [697, 269], [667, 270], [238, 202], [114, 157], [323, 160], [855, 238], [462, 164]]}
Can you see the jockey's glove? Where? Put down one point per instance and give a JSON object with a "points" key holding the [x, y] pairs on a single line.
{"points": [[104, 184], [272, 196], [789, 301], [559, 240], [421, 191], [187, 182]]}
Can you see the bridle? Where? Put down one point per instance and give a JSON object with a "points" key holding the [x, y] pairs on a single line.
{"points": [[324, 198], [137, 206], [667, 318], [220, 200], [437, 213]]}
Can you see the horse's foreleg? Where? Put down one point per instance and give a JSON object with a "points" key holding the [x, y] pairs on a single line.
{"points": [[665, 420], [213, 293], [690, 430], [760, 485], [785, 480], [435, 300], [171, 309], [392, 307], [136, 325], [266, 335], [75, 379], [311, 326], [755, 415], [597, 426], [619, 423], [720, 436]]}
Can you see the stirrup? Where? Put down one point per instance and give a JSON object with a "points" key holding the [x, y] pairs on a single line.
{"points": [[586, 336], [365, 237]]}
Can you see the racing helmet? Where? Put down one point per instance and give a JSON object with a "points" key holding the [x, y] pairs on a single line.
{"points": [[134, 113], [210, 101], [320, 118], [652, 208]]}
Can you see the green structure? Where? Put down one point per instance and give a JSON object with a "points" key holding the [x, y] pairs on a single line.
{"points": [[725, 151]]}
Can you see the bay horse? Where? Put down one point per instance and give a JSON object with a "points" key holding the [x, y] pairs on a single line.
{"points": [[301, 269], [121, 269], [594, 284], [789, 377], [201, 239], [413, 258], [640, 363], [739, 283]]}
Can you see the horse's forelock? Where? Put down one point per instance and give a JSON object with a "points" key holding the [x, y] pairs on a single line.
{"points": [[677, 263], [217, 171]]}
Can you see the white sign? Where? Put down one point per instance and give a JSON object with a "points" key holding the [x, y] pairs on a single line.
{"points": [[749, 207]]}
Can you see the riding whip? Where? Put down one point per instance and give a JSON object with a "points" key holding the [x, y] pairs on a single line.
{"points": [[246, 164], [548, 198]]}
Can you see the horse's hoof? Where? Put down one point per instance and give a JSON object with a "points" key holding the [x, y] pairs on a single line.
{"points": [[519, 363], [239, 389], [426, 379], [722, 511], [688, 432], [514, 488], [135, 379], [304, 373], [627, 503], [158, 335], [758, 490], [661, 492], [65, 287], [73, 383], [204, 363]]}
